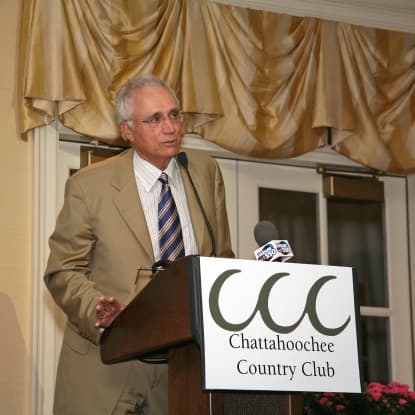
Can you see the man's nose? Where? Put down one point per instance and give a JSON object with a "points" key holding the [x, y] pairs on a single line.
{"points": [[168, 125]]}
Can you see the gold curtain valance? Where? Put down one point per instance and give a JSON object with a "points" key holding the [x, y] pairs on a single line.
{"points": [[256, 83]]}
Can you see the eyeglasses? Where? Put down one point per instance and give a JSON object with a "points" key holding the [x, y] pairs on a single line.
{"points": [[157, 119]]}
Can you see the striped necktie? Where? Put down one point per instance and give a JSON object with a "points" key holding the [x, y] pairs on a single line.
{"points": [[170, 231]]}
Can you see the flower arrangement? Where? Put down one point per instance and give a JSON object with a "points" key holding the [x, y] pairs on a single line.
{"points": [[378, 399]]}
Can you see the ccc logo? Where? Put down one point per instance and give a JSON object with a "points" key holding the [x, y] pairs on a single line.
{"points": [[263, 310]]}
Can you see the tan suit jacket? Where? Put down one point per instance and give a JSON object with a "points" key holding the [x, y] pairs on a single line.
{"points": [[99, 242]]}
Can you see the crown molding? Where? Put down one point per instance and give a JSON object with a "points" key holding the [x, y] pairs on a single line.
{"points": [[396, 15]]}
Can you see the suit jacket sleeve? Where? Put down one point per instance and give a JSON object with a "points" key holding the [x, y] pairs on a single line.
{"points": [[68, 269]]}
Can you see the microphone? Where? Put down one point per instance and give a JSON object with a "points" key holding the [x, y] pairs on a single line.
{"points": [[159, 265], [182, 159], [271, 248]]}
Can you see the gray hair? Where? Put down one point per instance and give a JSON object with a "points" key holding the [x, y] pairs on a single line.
{"points": [[126, 91]]}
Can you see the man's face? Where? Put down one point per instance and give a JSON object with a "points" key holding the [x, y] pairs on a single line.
{"points": [[155, 129]]}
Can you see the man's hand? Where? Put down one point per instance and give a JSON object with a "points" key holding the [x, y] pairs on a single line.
{"points": [[107, 309]]}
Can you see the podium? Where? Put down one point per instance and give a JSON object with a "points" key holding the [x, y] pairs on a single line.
{"points": [[161, 323]]}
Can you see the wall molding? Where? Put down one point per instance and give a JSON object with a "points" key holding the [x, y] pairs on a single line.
{"points": [[44, 142], [384, 14]]}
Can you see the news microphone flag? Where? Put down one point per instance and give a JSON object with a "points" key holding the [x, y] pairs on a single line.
{"points": [[275, 250]]}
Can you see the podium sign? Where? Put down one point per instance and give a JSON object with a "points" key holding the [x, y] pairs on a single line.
{"points": [[278, 326]]}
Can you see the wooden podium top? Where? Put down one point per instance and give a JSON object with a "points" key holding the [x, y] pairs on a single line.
{"points": [[158, 318]]}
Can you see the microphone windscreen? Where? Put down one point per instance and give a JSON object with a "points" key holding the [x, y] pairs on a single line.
{"points": [[264, 232]]}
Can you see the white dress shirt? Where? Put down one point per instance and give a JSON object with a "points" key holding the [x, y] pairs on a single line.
{"points": [[149, 188]]}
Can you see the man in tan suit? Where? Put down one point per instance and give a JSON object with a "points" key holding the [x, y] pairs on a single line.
{"points": [[107, 230]]}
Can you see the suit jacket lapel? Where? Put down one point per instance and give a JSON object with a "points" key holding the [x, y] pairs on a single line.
{"points": [[128, 202]]}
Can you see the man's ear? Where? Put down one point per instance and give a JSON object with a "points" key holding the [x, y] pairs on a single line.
{"points": [[126, 131]]}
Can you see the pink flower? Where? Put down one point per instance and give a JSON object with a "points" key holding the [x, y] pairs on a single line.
{"points": [[375, 394], [393, 398], [397, 388], [375, 385], [323, 401]]}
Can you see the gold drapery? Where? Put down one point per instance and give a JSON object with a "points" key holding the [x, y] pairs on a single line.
{"points": [[254, 82]]}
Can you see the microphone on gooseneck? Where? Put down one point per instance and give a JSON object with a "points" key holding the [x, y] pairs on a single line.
{"points": [[270, 247], [182, 159]]}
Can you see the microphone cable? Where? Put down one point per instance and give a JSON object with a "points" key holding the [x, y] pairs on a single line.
{"points": [[182, 159]]}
